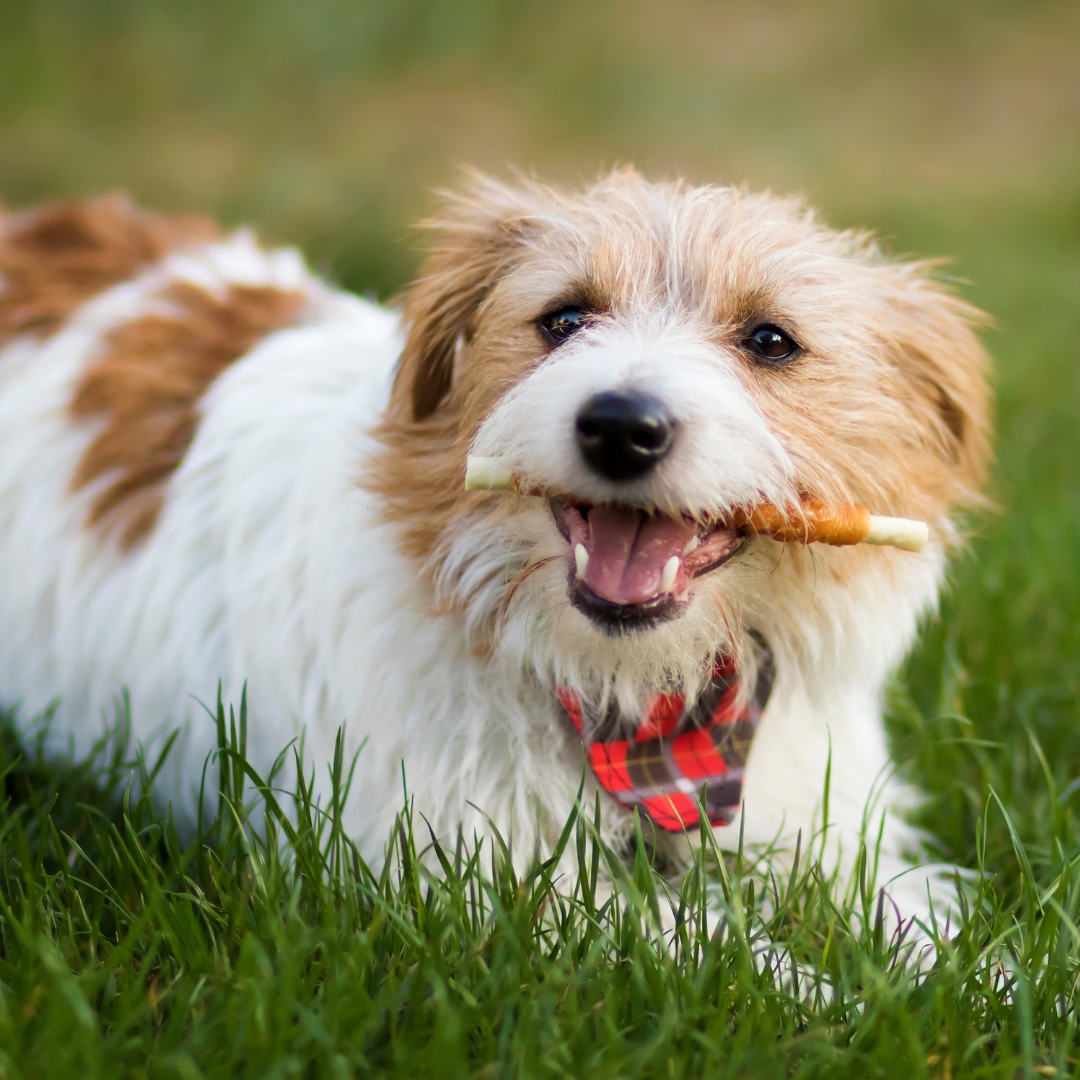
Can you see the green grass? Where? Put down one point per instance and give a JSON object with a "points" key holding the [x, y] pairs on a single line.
{"points": [[951, 127], [128, 950]]}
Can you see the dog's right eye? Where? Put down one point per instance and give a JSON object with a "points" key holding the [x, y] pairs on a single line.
{"points": [[771, 344], [558, 325]]}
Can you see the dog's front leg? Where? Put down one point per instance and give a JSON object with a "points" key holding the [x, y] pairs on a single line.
{"points": [[819, 775]]}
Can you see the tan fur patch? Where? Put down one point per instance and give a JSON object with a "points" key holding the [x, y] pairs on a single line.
{"points": [[55, 258], [147, 384]]}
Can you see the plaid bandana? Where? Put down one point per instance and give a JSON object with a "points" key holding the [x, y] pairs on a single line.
{"points": [[677, 750]]}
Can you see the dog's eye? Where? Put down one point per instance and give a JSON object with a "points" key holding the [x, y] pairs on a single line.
{"points": [[557, 326], [771, 343]]}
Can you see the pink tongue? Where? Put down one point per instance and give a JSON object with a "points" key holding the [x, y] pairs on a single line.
{"points": [[627, 552]]}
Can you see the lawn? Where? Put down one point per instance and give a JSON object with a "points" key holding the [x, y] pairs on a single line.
{"points": [[951, 127]]}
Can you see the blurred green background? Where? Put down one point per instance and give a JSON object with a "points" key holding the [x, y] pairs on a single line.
{"points": [[327, 122], [950, 127]]}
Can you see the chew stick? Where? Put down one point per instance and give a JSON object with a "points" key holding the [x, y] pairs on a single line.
{"points": [[489, 474], [812, 522], [839, 524]]}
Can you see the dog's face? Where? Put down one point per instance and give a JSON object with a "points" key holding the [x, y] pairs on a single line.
{"points": [[656, 355]]}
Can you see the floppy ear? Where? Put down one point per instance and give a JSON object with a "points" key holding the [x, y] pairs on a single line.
{"points": [[476, 238], [936, 349]]}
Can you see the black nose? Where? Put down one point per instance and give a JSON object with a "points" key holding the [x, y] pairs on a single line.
{"points": [[623, 436]]}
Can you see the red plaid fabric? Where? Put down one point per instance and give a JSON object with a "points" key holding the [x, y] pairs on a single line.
{"points": [[661, 762]]}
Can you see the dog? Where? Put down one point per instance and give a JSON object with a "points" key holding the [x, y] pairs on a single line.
{"points": [[218, 470]]}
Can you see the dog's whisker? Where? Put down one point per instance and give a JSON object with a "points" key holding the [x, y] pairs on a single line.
{"points": [[522, 576]]}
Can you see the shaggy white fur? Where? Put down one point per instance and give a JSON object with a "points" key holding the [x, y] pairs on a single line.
{"points": [[274, 564]]}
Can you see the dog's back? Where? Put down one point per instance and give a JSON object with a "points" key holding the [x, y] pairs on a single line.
{"points": [[180, 418]]}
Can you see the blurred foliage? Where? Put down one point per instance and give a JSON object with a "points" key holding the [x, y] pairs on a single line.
{"points": [[327, 122]]}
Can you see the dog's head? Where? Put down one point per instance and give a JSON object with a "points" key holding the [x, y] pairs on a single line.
{"points": [[658, 354]]}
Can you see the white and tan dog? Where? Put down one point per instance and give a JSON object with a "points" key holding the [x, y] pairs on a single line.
{"points": [[213, 466]]}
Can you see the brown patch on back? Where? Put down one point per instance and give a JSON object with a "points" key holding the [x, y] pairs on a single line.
{"points": [[147, 384], [55, 258]]}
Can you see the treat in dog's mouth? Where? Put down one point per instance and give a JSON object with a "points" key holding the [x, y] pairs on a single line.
{"points": [[632, 569]]}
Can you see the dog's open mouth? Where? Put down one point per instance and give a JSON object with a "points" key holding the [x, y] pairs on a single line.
{"points": [[630, 569]]}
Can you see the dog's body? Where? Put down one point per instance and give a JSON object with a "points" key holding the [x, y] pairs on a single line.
{"points": [[210, 471]]}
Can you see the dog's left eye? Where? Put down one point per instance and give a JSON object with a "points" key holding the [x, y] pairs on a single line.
{"points": [[557, 326], [771, 343]]}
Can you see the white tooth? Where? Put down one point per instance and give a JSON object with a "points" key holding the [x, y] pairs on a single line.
{"points": [[691, 544], [671, 568], [581, 557]]}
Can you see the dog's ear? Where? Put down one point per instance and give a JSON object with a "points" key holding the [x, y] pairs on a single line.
{"points": [[935, 347], [476, 237]]}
